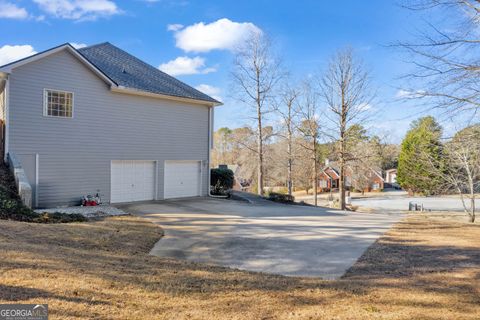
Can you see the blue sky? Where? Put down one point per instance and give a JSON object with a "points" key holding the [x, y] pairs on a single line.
{"points": [[192, 39]]}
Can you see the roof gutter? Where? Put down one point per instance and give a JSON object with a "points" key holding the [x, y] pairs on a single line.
{"points": [[125, 90]]}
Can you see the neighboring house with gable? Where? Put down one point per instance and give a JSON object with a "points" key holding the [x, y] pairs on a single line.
{"points": [[97, 119], [368, 180], [329, 178]]}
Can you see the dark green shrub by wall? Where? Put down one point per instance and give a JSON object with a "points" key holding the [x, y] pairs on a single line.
{"points": [[221, 180]]}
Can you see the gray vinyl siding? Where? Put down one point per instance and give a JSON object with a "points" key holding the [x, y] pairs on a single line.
{"points": [[75, 154]]}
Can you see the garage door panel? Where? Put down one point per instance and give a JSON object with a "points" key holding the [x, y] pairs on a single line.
{"points": [[182, 179], [132, 180]]}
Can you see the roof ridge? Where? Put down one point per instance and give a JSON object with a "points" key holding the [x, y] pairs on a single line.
{"points": [[94, 45]]}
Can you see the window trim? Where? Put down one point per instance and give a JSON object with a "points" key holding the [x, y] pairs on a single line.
{"points": [[45, 103]]}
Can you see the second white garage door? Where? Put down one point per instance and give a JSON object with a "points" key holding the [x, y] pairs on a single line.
{"points": [[132, 180], [182, 179]]}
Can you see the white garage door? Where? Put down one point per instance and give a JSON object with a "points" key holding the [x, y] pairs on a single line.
{"points": [[182, 179], [132, 180]]}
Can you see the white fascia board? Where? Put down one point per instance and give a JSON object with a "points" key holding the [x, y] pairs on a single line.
{"points": [[126, 90]]}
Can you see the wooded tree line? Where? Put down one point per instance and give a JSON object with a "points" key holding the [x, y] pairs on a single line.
{"points": [[288, 162]]}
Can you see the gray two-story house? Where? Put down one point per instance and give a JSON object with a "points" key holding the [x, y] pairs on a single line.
{"points": [[98, 120]]}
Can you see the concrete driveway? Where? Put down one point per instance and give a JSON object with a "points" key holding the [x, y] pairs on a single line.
{"points": [[265, 236]]}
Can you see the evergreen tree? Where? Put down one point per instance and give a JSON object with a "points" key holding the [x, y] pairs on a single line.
{"points": [[420, 157]]}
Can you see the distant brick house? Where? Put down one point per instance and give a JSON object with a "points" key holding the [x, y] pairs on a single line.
{"points": [[329, 179], [375, 181]]}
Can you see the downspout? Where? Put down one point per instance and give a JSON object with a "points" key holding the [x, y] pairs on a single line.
{"points": [[210, 109]]}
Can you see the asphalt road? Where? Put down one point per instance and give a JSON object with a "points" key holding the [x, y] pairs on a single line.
{"points": [[400, 203]]}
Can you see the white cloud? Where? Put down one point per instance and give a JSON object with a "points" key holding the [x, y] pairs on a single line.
{"points": [[77, 45], [11, 53], [78, 9], [174, 27], [222, 34], [186, 65], [12, 11], [407, 94], [212, 91]]}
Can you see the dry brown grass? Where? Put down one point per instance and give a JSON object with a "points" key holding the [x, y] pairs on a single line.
{"points": [[422, 269]]}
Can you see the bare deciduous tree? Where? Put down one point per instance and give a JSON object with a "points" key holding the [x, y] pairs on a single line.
{"points": [[256, 73], [345, 88], [287, 111], [446, 56], [309, 128]]}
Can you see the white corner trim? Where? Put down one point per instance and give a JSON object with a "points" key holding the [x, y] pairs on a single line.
{"points": [[209, 148], [156, 180], [7, 119]]}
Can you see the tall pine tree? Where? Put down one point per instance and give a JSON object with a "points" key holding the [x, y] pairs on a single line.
{"points": [[421, 151]]}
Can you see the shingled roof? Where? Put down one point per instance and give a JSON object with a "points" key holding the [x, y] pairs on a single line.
{"points": [[123, 71], [130, 72]]}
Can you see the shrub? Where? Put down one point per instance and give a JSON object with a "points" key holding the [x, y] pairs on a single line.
{"points": [[280, 197], [221, 180]]}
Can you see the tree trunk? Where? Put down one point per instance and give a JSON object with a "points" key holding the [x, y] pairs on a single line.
{"points": [[471, 185], [260, 154], [289, 177], [260, 136], [290, 160], [472, 213], [341, 184], [472, 205], [343, 124], [315, 172]]}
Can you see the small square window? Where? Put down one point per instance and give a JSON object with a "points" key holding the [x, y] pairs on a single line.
{"points": [[58, 104]]}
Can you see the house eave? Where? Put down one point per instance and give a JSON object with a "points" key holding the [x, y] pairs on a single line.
{"points": [[125, 90]]}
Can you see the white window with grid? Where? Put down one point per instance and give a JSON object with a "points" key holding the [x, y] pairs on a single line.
{"points": [[58, 103]]}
